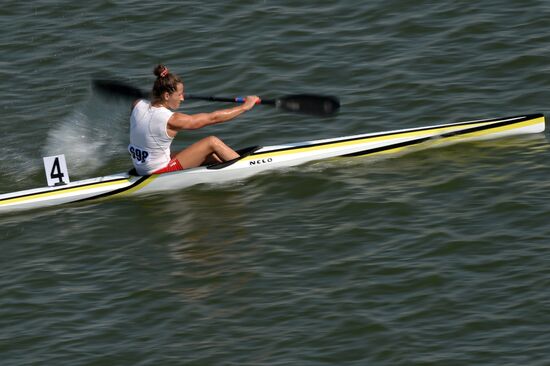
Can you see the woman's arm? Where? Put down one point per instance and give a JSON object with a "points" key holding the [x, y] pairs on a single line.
{"points": [[181, 121]]}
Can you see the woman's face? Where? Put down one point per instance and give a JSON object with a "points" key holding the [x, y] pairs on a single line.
{"points": [[173, 100]]}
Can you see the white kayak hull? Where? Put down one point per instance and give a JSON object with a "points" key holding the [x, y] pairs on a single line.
{"points": [[257, 160]]}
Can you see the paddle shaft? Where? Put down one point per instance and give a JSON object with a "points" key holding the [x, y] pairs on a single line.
{"points": [[319, 105], [226, 99]]}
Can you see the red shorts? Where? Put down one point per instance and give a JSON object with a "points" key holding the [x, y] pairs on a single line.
{"points": [[173, 166]]}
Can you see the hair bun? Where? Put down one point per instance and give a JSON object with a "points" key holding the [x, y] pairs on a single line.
{"points": [[161, 71]]}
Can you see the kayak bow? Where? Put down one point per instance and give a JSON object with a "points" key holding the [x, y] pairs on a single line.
{"points": [[257, 159]]}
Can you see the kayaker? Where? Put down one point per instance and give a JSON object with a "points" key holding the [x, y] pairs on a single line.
{"points": [[154, 124]]}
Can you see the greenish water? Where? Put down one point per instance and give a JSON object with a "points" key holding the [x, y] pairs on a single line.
{"points": [[436, 257]]}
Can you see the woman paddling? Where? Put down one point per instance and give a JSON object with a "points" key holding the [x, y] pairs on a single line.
{"points": [[153, 126]]}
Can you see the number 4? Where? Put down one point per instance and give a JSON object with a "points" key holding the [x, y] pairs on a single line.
{"points": [[56, 170]]}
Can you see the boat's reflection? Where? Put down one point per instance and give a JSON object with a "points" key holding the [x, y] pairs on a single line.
{"points": [[207, 233]]}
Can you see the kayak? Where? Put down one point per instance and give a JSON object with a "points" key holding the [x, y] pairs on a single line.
{"points": [[254, 160]]}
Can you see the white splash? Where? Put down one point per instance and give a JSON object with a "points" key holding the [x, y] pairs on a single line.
{"points": [[89, 138]]}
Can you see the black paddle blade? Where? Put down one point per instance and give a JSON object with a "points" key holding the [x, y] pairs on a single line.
{"points": [[117, 89], [318, 105]]}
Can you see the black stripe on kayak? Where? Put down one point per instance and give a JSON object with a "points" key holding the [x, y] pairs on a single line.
{"points": [[505, 121], [440, 136], [116, 191], [61, 189], [389, 147]]}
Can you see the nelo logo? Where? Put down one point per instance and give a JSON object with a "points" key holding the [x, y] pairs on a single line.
{"points": [[261, 161]]}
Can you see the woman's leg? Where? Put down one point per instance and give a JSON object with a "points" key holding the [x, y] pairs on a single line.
{"points": [[208, 149]]}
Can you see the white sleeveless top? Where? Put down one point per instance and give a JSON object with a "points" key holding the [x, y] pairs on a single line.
{"points": [[149, 140]]}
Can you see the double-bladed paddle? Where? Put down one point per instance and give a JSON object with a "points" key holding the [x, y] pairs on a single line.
{"points": [[318, 105]]}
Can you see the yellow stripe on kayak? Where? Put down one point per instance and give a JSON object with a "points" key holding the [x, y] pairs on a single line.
{"points": [[138, 186], [410, 134], [60, 192], [464, 136]]}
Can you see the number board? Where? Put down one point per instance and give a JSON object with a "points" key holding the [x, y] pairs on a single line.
{"points": [[57, 173]]}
